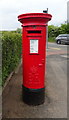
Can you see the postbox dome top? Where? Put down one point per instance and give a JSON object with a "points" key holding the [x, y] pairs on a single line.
{"points": [[34, 18]]}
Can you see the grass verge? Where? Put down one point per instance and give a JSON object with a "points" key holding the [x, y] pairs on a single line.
{"points": [[51, 39]]}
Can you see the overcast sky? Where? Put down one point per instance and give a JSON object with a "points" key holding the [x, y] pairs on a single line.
{"points": [[10, 9]]}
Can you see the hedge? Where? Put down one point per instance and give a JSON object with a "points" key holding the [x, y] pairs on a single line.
{"points": [[0, 61], [11, 53]]}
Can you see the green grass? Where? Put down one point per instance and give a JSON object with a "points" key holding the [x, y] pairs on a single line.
{"points": [[51, 39]]}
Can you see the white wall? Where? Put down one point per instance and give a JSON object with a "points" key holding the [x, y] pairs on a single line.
{"points": [[68, 11]]}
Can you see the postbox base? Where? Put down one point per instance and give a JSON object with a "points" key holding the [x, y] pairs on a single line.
{"points": [[33, 96]]}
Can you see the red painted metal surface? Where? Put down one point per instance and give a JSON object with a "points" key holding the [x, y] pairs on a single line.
{"points": [[34, 28]]}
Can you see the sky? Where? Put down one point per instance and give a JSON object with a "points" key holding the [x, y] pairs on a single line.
{"points": [[10, 9]]}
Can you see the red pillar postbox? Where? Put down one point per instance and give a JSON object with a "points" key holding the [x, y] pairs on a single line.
{"points": [[33, 56]]}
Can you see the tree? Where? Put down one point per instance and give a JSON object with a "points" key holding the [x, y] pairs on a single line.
{"points": [[67, 28], [18, 30], [54, 31]]}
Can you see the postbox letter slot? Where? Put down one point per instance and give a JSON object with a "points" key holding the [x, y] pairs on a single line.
{"points": [[34, 31]]}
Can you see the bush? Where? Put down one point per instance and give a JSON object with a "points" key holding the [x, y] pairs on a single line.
{"points": [[0, 60], [11, 52], [54, 31]]}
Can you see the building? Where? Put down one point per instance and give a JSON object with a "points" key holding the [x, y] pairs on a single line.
{"points": [[68, 12]]}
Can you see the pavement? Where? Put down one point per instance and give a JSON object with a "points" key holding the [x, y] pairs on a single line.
{"points": [[0, 79], [55, 105]]}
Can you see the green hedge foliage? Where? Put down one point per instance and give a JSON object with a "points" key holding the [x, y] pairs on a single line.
{"points": [[11, 52], [0, 60]]}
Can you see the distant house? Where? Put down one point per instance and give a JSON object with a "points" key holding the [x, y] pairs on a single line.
{"points": [[68, 11]]}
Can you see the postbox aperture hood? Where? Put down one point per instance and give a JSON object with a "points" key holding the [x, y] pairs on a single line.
{"points": [[34, 18]]}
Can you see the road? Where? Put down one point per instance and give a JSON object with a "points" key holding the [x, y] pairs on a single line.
{"points": [[55, 105]]}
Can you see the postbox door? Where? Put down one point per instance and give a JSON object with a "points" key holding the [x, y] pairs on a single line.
{"points": [[34, 62]]}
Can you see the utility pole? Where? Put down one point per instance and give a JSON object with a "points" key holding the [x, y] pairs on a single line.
{"points": [[46, 11]]}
